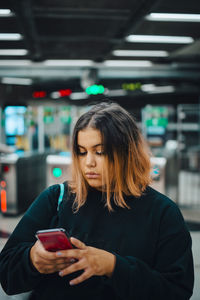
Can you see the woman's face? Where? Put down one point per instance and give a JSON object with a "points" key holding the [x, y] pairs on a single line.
{"points": [[91, 156]]}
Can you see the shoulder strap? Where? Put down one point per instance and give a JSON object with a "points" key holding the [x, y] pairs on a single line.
{"points": [[62, 189]]}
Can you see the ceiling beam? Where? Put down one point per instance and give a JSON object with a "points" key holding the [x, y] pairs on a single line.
{"points": [[79, 39], [24, 14], [68, 13], [40, 70], [140, 10]]}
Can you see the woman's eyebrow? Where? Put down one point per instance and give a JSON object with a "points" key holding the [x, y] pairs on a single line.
{"points": [[97, 145]]}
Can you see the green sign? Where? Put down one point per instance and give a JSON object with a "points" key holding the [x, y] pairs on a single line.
{"points": [[48, 115], [156, 116], [95, 89]]}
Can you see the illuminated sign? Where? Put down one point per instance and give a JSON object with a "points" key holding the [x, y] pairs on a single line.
{"points": [[3, 201], [3, 184], [155, 120], [64, 93], [39, 94], [95, 89], [131, 86], [48, 115]]}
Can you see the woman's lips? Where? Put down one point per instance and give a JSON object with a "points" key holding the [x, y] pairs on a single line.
{"points": [[92, 175]]}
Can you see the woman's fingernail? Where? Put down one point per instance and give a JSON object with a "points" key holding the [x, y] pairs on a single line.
{"points": [[59, 253], [71, 283], [72, 260], [60, 273]]}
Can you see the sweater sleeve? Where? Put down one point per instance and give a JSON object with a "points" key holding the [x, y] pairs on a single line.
{"points": [[17, 275], [170, 277]]}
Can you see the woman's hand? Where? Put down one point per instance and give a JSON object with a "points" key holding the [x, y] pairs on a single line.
{"points": [[92, 260], [47, 262]]}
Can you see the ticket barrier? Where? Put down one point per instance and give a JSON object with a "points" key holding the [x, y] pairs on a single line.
{"points": [[58, 168], [22, 178], [158, 173]]}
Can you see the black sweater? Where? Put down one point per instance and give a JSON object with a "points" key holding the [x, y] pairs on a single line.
{"points": [[151, 243]]}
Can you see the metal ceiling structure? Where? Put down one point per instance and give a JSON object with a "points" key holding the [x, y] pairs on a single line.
{"points": [[76, 43]]}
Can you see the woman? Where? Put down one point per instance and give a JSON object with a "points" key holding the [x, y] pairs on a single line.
{"points": [[130, 241]]}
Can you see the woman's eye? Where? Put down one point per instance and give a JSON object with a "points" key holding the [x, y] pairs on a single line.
{"points": [[82, 153], [85, 153], [99, 152]]}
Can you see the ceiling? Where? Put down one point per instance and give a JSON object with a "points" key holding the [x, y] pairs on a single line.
{"points": [[73, 44]]}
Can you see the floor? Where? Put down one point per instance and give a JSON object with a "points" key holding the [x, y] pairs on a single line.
{"points": [[7, 224]]}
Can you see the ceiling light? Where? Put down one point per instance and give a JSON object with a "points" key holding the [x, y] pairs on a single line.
{"points": [[5, 13], [163, 89], [15, 52], [78, 96], [55, 95], [16, 80], [116, 93], [10, 36], [173, 17], [127, 63], [153, 89], [140, 53], [16, 62], [159, 39], [148, 87], [73, 63]]}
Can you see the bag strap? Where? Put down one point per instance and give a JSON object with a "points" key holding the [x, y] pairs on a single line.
{"points": [[60, 199]]}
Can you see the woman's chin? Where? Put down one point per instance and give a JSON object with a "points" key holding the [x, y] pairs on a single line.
{"points": [[95, 185]]}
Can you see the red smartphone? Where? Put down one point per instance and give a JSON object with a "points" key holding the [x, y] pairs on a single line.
{"points": [[54, 239]]}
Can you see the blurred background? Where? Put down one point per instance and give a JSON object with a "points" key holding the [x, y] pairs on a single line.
{"points": [[57, 58]]}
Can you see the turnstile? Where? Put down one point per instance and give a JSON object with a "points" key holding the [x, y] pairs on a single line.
{"points": [[58, 168], [158, 173], [22, 178]]}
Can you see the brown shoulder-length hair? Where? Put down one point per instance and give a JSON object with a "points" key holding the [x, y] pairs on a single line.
{"points": [[127, 157]]}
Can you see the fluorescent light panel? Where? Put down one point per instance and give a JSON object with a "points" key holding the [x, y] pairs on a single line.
{"points": [[65, 62], [163, 89], [140, 53], [173, 17], [5, 13], [16, 62], [159, 39], [152, 88], [127, 63], [148, 87], [16, 80], [17, 52], [10, 36], [55, 95], [78, 96], [116, 93]]}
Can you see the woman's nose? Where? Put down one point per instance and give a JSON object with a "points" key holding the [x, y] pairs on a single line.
{"points": [[90, 160]]}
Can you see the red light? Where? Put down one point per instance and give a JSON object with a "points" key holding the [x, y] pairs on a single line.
{"points": [[64, 93], [6, 168], [3, 201], [3, 184], [39, 94]]}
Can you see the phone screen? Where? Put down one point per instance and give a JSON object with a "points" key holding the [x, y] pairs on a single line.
{"points": [[54, 239]]}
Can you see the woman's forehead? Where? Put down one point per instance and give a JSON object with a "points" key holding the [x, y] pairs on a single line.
{"points": [[89, 137]]}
